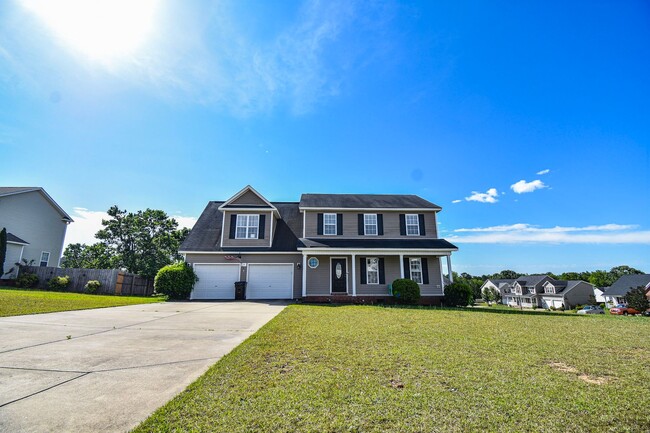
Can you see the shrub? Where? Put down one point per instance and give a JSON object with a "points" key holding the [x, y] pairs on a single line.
{"points": [[602, 305], [636, 298], [26, 280], [406, 291], [458, 294], [92, 286], [175, 280], [58, 283], [553, 308]]}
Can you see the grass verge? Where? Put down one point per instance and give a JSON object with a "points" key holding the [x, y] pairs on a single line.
{"points": [[14, 302], [374, 369]]}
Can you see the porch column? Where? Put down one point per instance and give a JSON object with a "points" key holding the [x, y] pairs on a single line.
{"points": [[401, 265], [304, 274], [451, 276], [354, 273]]}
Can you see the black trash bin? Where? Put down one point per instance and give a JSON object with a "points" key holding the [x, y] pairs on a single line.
{"points": [[240, 290]]}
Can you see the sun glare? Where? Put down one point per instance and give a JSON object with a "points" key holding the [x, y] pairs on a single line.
{"points": [[106, 31]]}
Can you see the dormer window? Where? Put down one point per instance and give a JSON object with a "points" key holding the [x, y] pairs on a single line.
{"points": [[247, 226], [549, 289], [329, 224]]}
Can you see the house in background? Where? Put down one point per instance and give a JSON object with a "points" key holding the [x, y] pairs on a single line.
{"points": [[501, 285], [325, 247], [615, 294], [35, 224]]}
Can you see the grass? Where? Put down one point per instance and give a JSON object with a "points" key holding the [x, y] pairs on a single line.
{"points": [[14, 302], [375, 369]]}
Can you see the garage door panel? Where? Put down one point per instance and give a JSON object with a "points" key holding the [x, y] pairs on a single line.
{"points": [[267, 281], [216, 281]]}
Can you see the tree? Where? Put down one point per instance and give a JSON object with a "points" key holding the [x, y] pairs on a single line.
{"points": [[142, 242], [601, 278], [95, 256], [3, 250], [507, 274], [618, 271], [490, 294], [636, 298]]}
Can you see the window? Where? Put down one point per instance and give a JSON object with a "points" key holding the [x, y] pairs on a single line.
{"points": [[45, 257], [247, 226], [329, 224], [372, 270], [313, 262], [416, 270], [412, 225], [370, 224], [549, 289]]}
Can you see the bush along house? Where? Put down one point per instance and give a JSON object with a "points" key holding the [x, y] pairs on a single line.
{"points": [[327, 247]]}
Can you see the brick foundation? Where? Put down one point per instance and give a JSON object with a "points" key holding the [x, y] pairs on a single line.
{"points": [[367, 300]]}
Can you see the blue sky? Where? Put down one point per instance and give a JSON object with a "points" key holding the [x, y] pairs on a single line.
{"points": [[528, 123]]}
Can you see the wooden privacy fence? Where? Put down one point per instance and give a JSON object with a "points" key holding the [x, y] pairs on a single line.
{"points": [[114, 281]]}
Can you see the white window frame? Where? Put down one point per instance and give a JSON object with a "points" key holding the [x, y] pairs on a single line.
{"points": [[373, 272], [40, 263], [416, 224], [549, 289], [329, 224], [417, 271], [245, 223], [367, 224]]}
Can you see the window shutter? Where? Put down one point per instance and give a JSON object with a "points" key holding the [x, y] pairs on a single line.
{"points": [[361, 225], [382, 275], [407, 268], [260, 232], [362, 270], [402, 224], [425, 270], [319, 223], [422, 231], [233, 225], [339, 224], [380, 224]]}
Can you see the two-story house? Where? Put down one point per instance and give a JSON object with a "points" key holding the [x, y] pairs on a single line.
{"points": [[501, 285], [327, 246], [36, 227], [541, 291]]}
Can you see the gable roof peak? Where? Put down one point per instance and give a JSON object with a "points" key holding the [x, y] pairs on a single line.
{"points": [[246, 189]]}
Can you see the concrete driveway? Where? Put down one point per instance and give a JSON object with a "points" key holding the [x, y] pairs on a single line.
{"points": [[108, 369]]}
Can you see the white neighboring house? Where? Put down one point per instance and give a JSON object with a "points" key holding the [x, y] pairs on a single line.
{"points": [[615, 294], [599, 293], [35, 224], [503, 286]]}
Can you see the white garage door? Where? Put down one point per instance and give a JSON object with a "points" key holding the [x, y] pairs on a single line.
{"points": [[270, 281], [215, 281]]}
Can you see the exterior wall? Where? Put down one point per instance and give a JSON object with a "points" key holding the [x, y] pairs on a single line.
{"points": [[249, 198], [265, 242], [31, 217], [14, 252], [579, 294], [318, 280], [351, 224], [256, 258]]}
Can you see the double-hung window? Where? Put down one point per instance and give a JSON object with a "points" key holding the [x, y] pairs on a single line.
{"points": [[45, 257], [416, 270], [372, 270], [247, 226], [370, 224], [329, 224], [412, 225]]}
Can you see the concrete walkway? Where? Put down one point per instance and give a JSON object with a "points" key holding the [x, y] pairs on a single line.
{"points": [[108, 369]]}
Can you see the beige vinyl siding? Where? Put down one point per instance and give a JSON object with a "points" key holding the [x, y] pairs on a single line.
{"points": [[318, 280], [227, 242], [256, 258], [249, 198], [31, 217], [391, 272], [351, 224], [579, 294]]}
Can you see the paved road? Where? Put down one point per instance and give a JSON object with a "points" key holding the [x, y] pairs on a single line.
{"points": [[108, 369]]}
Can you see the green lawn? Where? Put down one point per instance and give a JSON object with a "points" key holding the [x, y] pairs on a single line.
{"points": [[375, 369], [14, 302]]}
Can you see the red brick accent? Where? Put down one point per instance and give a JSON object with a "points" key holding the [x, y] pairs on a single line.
{"points": [[368, 300]]}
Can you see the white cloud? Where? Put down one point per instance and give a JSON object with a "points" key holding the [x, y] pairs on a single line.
{"points": [[526, 233], [522, 186], [456, 201], [484, 197], [87, 223], [545, 171]]}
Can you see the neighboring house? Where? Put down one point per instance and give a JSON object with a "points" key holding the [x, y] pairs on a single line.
{"points": [[327, 246], [35, 224], [615, 294], [501, 285], [541, 291], [599, 293]]}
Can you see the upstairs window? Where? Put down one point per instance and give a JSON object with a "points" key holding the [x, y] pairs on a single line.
{"points": [[372, 270], [412, 225], [416, 269], [329, 224], [549, 289], [45, 257], [247, 226], [370, 224]]}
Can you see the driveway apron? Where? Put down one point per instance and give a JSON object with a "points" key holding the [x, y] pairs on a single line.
{"points": [[108, 369]]}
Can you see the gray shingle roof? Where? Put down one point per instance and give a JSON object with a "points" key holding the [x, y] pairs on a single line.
{"points": [[530, 280], [13, 238], [366, 201], [378, 243], [627, 282]]}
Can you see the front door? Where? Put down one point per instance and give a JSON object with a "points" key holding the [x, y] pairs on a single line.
{"points": [[339, 276]]}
